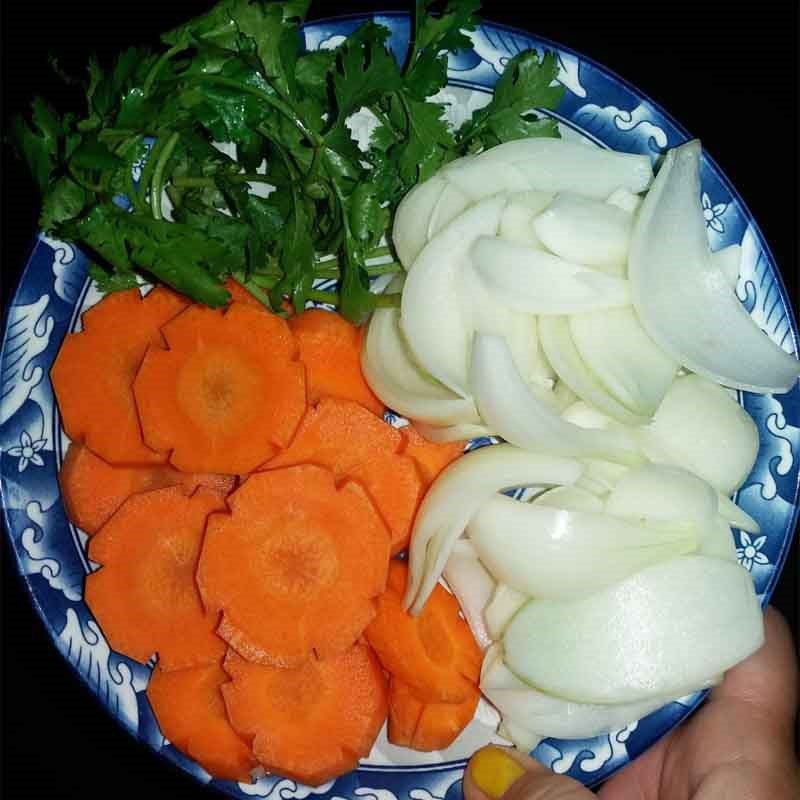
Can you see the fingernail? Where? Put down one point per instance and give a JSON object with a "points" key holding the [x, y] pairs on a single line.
{"points": [[494, 770]]}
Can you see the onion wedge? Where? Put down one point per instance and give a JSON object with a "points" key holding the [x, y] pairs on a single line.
{"points": [[556, 340], [665, 631], [510, 408], [400, 383], [586, 231], [473, 586], [551, 553], [537, 282], [683, 298], [433, 324], [458, 493]]}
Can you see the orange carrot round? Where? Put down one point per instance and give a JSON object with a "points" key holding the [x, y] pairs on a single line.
{"points": [[426, 726], [394, 484], [144, 595], [94, 371], [330, 348], [295, 566], [226, 393], [434, 653], [312, 723], [431, 457], [93, 489], [188, 706], [339, 435]]}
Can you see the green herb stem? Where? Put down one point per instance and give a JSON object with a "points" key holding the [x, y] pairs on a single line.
{"points": [[157, 184], [200, 182], [156, 68], [278, 104]]}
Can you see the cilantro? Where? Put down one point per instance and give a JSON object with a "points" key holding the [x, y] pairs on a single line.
{"points": [[527, 83], [238, 74]]}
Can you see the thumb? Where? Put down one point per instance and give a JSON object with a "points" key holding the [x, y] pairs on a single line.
{"points": [[495, 772]]}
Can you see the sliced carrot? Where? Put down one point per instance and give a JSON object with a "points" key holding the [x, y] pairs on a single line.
{"points": [[339, 435], [295, 566], [144, 596], [330, 348], [94, 371], [191, 713], [240, 295], [394, 484], [431, 457], [312, 723], [226, 393], [426, 726], [93, 489], [434, 653]]}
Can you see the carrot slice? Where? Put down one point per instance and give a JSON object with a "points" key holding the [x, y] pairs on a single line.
{"points": [[145, 597], [94, 371], [330, 348], [93, 489], [431, 457], [394, 484], [339, 435], [434, 653], [240, 295], [191, 713], [312, 723], [295, 566], [426, 726], [226, 393]]}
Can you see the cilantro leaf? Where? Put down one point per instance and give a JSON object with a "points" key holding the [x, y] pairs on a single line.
{"points": [[527, 83], [37, 142]]}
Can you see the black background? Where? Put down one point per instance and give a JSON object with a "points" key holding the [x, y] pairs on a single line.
{"points": [[727, 71]]}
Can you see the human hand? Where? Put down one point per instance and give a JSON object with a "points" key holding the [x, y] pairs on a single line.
{"points": [[738, 746]]}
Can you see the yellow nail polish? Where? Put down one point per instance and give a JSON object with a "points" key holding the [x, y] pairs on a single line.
{"points": [[494, 770]]}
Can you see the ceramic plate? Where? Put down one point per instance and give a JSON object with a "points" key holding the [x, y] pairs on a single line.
{"points": [[599, 107]]}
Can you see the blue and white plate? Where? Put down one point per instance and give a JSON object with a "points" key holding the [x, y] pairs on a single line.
{"points": [[51, 554]]}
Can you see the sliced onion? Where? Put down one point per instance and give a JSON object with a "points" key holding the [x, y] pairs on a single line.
{"points": [[570, 498], [433, 324], [452, 202], [600, 476], [699, 426], [509, 407], [538, 282], [735, 516], [517, 222], [626, 200], [458, 493], [478, 179], [682, 297], [552, 553], [504, 604], [483, 314], [729, 259], [524, 740], [630, 365], [409, 232], [585, 416], [655, 493], [550, 716], [397, 380], [586, 231], [473, 586], [560, 350], [665, 631], [555, 165]]}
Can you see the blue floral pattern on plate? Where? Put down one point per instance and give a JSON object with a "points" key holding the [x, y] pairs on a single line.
{"points": [[50, 552]]}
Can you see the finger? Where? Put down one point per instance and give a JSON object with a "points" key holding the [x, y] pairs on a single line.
{"points": [[495, 772], [768, 679]]}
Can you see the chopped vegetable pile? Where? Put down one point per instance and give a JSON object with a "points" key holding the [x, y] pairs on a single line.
{"points": [[247, 503], [244, 525], [152, 131]]}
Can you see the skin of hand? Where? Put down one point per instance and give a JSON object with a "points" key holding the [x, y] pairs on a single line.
{"points": [[738, 746]]}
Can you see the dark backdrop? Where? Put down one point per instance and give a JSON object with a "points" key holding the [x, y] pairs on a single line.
{"points": [[727, 71]]}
